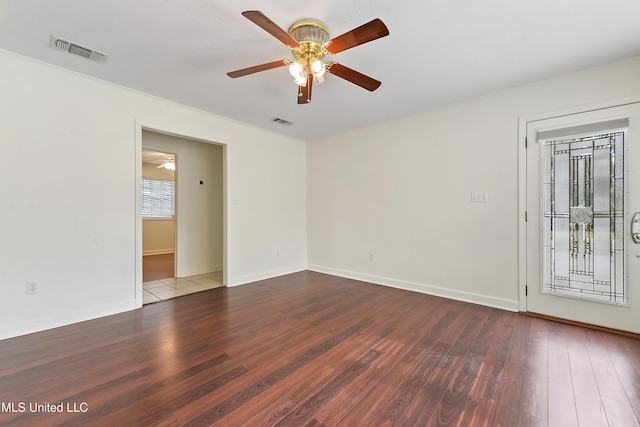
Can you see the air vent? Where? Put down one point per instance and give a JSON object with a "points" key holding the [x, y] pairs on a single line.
{"points": [[281, 121], [67, 46]]}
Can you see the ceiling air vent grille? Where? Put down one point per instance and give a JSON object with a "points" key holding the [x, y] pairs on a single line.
{"points": [[66, 46], [282, 121]]}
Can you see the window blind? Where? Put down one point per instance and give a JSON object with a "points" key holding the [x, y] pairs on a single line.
{"points": [[158, 198]]}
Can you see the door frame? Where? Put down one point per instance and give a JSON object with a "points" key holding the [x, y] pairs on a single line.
{"points": [[522, 179], [141, 125]]}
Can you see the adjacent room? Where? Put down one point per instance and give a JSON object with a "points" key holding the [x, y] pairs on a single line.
{"points": [[334, 213], [181, 208]]}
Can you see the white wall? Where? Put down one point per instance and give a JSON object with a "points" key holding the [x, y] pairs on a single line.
{"points": [[78, 237], [402, 189], [199, 207], [158, 237]]}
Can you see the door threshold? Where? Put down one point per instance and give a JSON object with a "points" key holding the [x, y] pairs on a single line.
{"points": [[584, 325]]}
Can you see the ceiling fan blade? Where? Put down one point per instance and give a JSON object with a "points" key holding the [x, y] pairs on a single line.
{"points": [[270, 27], [365, 33], [353, 76], [258, 68], [304, 92]]}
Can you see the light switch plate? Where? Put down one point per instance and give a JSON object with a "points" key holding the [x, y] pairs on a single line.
{"points": [[479, 197]]}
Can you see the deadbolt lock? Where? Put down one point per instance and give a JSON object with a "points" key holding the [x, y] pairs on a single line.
{"points": [[635, 228]]}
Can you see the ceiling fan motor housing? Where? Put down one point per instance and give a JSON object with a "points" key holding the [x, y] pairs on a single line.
{"points": [[311, 35]]}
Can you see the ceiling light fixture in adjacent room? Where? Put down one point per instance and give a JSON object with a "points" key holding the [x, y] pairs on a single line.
{"points": [[169, 165]]}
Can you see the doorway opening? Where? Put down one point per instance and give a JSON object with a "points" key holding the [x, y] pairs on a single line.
{"points": [[192, 187], [158, 215]]}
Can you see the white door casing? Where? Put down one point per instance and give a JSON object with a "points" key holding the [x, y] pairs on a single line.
{"points": [[574, 245]]}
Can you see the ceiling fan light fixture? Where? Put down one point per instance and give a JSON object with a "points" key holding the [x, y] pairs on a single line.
{"points": [[170, 165], [301, 80], [296, 69], [317, 67]]}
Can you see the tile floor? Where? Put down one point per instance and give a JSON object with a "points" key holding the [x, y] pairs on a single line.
{"points": [[160, 290]]}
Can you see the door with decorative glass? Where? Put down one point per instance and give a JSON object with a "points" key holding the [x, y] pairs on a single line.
{"points": [[583, 189]]}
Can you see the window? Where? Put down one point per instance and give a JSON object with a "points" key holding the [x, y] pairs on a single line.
{"points": [[158, 198]]}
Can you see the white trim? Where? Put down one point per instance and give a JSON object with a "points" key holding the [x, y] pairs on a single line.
{"points": [[217, 268], [250, 278], [49, 322], [522, 177], [139, 125], [522, 211], [137, 220], [501, 303]]}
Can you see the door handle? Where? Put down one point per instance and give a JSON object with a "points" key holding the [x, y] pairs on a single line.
{"points": [[635, 228]]}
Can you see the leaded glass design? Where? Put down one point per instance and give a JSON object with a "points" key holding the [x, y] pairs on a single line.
{"points": [[584, 217]]}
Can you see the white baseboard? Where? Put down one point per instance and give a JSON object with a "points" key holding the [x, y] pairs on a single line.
{"points": [[49, 322], [249, 278], [94, 312], [501, 303], [204, 270]]}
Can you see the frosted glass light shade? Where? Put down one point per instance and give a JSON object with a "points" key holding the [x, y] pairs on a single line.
{"points": [[295, 69], [301, 80], [317, 68]]}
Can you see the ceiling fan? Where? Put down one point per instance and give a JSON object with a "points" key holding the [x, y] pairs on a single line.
{"points": [[169, 164], [309, 42]]}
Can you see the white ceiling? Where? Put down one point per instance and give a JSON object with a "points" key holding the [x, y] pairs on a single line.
{"points": [[438, 51]]}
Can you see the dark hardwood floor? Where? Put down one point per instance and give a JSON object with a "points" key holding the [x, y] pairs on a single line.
{"points": [[156, 267], [309, 349]]}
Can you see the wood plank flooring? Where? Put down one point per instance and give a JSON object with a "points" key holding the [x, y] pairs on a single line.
{"points": [[308, 349], [157, 267]]}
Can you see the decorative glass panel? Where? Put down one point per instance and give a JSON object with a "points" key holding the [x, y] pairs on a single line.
{"points": [[584, 217]]}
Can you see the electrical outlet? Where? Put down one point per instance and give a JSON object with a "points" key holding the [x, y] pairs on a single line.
{"points": [[372, 256], [32, 288]]}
